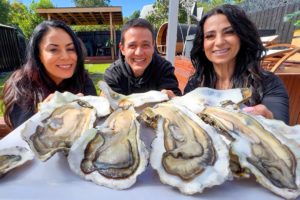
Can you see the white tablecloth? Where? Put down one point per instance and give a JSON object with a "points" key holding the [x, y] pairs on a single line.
{"points": [[54, 180]]}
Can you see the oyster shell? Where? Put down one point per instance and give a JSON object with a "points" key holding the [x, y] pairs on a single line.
{"points": [[13, 157], [187, 153], [117, 100], [203, 96], [62, 121], [260, 146], [111, 155]]}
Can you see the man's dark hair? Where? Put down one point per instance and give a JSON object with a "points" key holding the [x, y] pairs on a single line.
{"points": [[138, 22]]}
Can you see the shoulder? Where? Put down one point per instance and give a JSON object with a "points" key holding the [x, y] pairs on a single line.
{"points": [[115, 67], [273, 84], [191, 85]]}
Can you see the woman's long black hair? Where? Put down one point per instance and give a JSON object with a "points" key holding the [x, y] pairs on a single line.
{"points": [[30, 84], [248, 71]]}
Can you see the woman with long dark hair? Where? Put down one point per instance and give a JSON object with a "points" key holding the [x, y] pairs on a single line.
{"points": [[54, 62], [227, 53]]}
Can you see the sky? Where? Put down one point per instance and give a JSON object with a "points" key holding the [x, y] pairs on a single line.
{"points": [[128, 6]]}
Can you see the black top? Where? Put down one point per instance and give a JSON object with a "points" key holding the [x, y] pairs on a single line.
{"points": [[20, 114], [157, 76], [275, 96]]}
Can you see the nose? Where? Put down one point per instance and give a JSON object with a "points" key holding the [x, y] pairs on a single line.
{"points": [[219, 39], [138, 50], [64, 54]]}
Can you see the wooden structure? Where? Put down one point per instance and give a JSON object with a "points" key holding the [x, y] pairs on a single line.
{"points": [[10, 50], [272, 18], [111, 16], [182, 31]]}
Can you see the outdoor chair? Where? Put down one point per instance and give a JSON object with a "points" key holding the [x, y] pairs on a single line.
{"points": [[286, 55]]}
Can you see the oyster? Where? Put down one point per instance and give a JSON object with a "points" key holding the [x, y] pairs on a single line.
{"points": [[260, 146], [187, 153], [13, 157], [62, 121], [202, 96], [117, 100], [111, 155]]}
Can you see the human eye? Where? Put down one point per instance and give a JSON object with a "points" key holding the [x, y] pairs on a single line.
{"points": [[229, 31], [209, 36], [71, 49], [131, 46], [53, 50], [146, 45]]}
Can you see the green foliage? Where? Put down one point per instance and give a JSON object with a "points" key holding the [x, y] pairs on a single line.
{"points": [[293, 17], [134, 15], [26, 17], [91, 3], [4, 10], [160, 13], [214, 3]]}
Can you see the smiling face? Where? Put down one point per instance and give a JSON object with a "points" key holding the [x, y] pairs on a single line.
{"points": [[58, 55], [221, 43], [138, 49]]}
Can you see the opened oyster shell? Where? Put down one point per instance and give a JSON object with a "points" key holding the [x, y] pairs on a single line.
{"points": [[262, 147], [117, 100], [111, 155], [203, 96], [13, 157], [61, 122], [186, 153]]}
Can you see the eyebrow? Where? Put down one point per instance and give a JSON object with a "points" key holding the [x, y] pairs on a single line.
{"points": [[71, 43], [212, 31]]}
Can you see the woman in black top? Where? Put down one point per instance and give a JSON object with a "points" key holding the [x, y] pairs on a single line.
{"points": [[227, 53], [54, 62]]}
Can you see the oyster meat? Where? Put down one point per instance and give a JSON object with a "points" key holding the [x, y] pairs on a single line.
{"points": [[13, 157], [261, 147], [62, 121], [186, 153], [112, 154]]}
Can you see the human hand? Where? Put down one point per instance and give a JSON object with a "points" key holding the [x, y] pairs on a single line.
{"points": [[170, 93], [80, 94], [259, 109]]}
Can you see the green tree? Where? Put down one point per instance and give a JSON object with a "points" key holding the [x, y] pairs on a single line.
{"points": [[214, 3], [134, 15], [4, 7], [26, 18], [91, 3], [160, 13], [293, 17]]}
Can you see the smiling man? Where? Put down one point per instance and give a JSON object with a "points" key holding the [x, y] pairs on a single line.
{"points": [[140, 68]]}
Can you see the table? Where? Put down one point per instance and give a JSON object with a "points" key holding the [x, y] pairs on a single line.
{"points": [[54, 180]]}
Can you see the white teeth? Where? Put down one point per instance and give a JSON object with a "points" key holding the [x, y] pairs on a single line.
{"points": [[139, 60], [222, 51], [65, 66]]}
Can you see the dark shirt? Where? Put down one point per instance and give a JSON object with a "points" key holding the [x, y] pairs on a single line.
{"points": [[20, 114], [275, 96], [157, 76]]}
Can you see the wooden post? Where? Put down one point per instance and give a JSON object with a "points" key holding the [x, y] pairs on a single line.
{"points": [[111, 37]]}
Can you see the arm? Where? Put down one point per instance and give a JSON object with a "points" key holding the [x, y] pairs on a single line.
{"points": [[18, 115], [275, 102], [168, 81], [111, 80]]}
